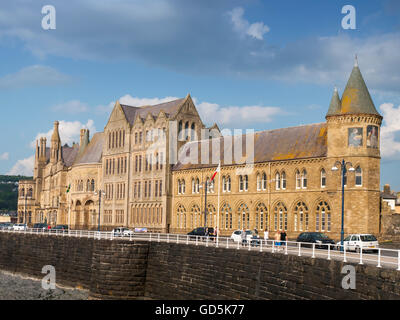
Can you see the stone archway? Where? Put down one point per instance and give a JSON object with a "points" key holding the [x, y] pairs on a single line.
{"points": [[77, 217], [87, 213]]}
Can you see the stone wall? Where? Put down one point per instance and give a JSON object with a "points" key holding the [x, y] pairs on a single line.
{"points": [[137, 270]]}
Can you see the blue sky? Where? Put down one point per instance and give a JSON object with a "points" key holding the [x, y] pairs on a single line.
{"points": [[248, 64]]}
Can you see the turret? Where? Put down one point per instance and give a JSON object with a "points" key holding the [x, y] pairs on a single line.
{"points": [[84, 140], [55, 152]]}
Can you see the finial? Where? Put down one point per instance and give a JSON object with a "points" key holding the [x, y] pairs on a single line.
{"points": [[335, 89], [356, 61]]}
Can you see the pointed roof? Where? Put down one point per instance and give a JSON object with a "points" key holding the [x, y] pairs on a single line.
{"points": [[56, 135], [170, 109], [356, 98], [335, 105]]}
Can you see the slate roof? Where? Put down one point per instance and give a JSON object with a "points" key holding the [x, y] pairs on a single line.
{"points": [[170, 109], [93, 151], [301, 142], [356, 98]]}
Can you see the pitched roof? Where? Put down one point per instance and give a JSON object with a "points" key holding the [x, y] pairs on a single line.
{"points": [[93, 151], [69, 154], [356, 98], [170, 109], [308, 141]]}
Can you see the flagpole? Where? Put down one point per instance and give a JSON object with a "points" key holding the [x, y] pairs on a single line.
{"points": [[219, 188]]}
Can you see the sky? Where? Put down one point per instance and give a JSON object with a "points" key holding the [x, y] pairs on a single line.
{"points": [[246, 64]]}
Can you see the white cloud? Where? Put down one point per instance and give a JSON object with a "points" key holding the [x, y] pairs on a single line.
{"points": [[23, 167], [236, 116], [390, 147], [134, 101], [72, 107], [241, 25], [4, 156], [69, 132], [35, 75]]}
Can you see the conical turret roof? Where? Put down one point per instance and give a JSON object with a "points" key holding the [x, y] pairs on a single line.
{"points": [[335, 105], [356, 98]]}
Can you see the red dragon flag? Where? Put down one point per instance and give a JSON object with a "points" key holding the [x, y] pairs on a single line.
{"points": [[216, 171]]}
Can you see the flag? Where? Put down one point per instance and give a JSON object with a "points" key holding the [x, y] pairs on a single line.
{"points": [[69, 188], [216, 171]]}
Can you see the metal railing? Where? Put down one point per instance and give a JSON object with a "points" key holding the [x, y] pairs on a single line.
{"points": [[380, 257]]}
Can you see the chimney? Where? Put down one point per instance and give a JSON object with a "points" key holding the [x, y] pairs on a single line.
{"points": [[386, 189]]}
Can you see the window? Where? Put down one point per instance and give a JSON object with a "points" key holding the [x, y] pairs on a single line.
{"points": [[301, 216], [358, 177], [264, 181], [323, 217], [283, 180], [181, 217], [243, 217], [195, 214], [304, 179], [240, 183], [323, 178], [298, 179], [277, 181], [280, 211], [258, 182], [246, 182], [227, 215], [261, 217]]}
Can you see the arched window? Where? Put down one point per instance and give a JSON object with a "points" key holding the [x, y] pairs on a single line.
{"points": [[246, 182], [22, 192], [280, 216], [227, 216], [92, 185], [264, 181], [181, 217], [261, 217], [183, 187], [186, 130], [30, 193], [277, 181], [323, 217], [228, 184], [240, 183], [180, 132], [259, 184], [212, 217], [88, 185], [243, 217], [298, 179], [197, 185], [304, 179], [193, 132], [300, 216], [179, 186], [283, 177], [323, 178], [358, 176], [195, 213]]}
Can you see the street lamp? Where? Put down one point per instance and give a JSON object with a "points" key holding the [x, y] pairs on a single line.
{"points": [[335, 168], [100, 193]]}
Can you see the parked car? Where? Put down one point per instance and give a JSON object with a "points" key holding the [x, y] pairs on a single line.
{"points": [[355, 242], [41, 226], [6, 226], [251, 237], [60, 227], [19, 227], [320, 239], [122, 232], [202, 232]]}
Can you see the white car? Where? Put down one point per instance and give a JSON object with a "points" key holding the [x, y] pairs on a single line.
{"points": [[250, 236], [122, 232], [19, 227], [355, 242]]}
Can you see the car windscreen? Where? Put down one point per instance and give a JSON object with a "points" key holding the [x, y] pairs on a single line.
{"points": [[368, 237]]}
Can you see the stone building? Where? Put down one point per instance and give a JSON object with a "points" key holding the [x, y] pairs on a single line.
{"points": [[289, 183], [282, 179], [124, 171]]}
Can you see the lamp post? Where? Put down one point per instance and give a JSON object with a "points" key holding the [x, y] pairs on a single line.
{"points": [[342, 165], [100, 193]]}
